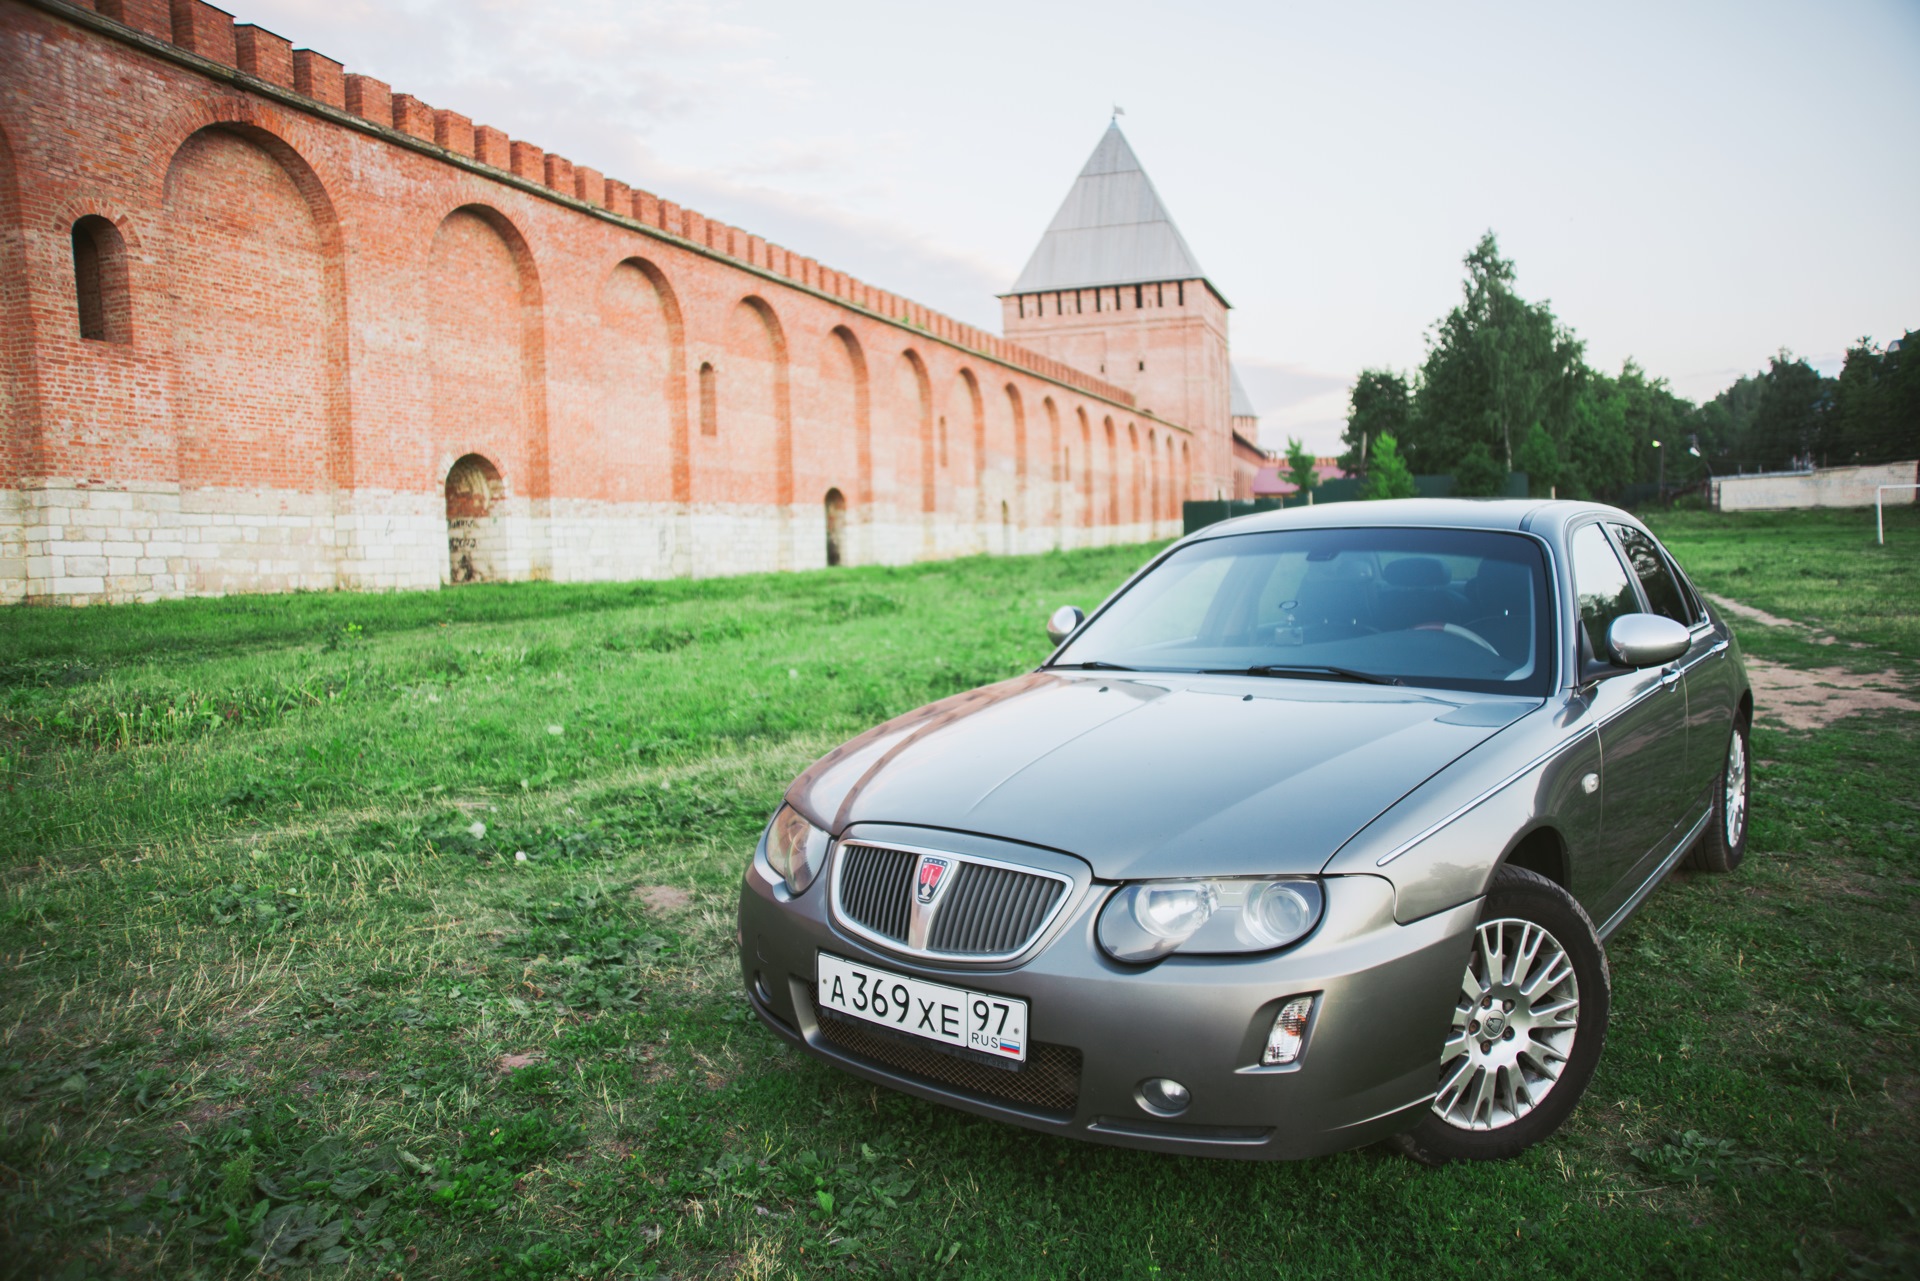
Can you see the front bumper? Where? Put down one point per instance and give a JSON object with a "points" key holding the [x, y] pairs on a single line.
{"points": [[1370, 1065]]}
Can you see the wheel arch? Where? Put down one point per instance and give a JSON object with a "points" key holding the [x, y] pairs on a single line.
{"points": [[1541, 849]]}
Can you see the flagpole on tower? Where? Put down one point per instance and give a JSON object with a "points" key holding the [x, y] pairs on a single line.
{"points": [[1118, 111]]}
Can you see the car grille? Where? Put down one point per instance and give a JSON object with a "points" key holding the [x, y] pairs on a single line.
{"points": [[1049, 1081], [876, 888], [990, 910]]}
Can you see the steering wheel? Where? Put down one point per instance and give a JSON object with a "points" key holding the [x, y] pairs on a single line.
{"points": [[1454, 629]]}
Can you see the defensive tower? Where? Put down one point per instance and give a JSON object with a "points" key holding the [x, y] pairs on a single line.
{"points": [[1114, 289]]}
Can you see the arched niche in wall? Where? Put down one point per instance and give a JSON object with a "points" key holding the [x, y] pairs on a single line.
{"points": [[1056, 513], [756, 433], [1152, 460], [1133, 473], [19, 419], [913, 392], [102, 295], [836, 513], [1172, 511], [1085, 488], [1112, 458], [968, 414], [476, 530], [484, 343], [846, 407], [258, 325], [1018, 409], [641, 446]]}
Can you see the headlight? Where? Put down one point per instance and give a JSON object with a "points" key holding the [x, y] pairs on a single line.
{"points": [[1150, 919], [796, 848]]}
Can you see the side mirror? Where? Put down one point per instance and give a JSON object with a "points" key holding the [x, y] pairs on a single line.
{"points": [[1646, 640], [1065, 622]]}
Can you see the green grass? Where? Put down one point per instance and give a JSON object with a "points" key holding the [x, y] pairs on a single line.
{"points": [[279, 992], [1821, 568]]}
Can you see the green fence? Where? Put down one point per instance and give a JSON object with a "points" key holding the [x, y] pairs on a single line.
{"points": [[1200, 515]]}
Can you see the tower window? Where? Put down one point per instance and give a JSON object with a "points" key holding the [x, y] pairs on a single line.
{"points": [[709, 401], [1180, 288], [100, 281], [1143, 366], [1138, 303]]}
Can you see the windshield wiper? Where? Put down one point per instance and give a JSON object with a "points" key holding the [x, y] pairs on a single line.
{"points": [[1312, 672], [1093, 665]]}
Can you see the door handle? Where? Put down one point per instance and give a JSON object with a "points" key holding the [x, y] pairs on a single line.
{"points": [[1671, 678]]}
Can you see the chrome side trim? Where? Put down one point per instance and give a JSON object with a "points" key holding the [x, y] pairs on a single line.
{"points": [[922, 920], [1490, 793], [1652, 883]]}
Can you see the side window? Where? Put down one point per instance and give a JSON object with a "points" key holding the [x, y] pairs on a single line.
{"points": [[1601, 586], [1664, 596], [1696, 609]]}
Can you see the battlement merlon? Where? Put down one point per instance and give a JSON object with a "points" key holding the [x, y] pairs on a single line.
{"points": [[207, 39]]}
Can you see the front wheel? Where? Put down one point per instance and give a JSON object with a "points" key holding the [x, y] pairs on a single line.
{"points": [[1527, 1029], [1724, 844]]}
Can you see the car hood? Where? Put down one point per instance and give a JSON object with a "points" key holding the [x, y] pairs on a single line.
{"points": [[1154, 775]]}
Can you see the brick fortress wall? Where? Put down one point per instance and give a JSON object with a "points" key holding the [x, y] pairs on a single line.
{"points": [[269, 325]]}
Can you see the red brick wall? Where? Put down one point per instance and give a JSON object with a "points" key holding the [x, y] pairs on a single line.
{"points": [[321, 308]]}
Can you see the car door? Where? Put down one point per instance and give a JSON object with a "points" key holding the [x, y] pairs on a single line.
{"points": [[1642, 719], [1712, 684]]}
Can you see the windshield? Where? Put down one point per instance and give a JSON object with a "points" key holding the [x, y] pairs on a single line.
{"points": [[1458, 609]]}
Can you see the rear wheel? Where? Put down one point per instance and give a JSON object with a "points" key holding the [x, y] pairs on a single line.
{"points": [[1724, 844], [1527, 1028]]}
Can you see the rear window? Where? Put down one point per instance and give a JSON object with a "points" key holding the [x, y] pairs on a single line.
{"points": [[1657, 579]]}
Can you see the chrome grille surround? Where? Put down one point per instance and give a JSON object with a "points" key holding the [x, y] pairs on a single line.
{"points": [[979, 909]]}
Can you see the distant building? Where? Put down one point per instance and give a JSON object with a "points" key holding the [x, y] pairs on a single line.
{"points": [[1272, 482]]}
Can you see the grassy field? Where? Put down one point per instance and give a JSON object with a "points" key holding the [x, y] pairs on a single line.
{"points": [[281, 993]]}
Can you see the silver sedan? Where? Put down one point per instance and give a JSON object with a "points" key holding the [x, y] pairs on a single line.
{"points": [[1312, 835]]}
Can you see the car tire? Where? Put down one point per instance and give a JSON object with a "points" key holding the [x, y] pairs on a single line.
{"points": [[1724, 844], [1511, 1097]]}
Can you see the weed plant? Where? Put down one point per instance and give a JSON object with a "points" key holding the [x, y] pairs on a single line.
{"points": [[393, 935]]}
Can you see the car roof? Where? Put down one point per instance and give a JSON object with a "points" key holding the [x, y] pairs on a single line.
{"points": [[1544, 516]]}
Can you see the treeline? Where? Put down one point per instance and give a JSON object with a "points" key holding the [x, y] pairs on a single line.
{"points": [[1506, 387]]}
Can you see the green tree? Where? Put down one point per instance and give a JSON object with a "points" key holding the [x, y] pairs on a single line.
{"points": [[1876, 404], [1598, 447], [1477, 475], [1300, 467], [1724, 425], [1496, 365], [1380, 404], [1387, 474], [1789, 426], [1539, 458]]}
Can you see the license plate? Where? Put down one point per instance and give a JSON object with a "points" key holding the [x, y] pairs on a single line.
{"points": [[956, 1016]]}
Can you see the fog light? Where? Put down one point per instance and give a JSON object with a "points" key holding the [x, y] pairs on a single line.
{"points": [[1167, 1097], [1289, 1032]]}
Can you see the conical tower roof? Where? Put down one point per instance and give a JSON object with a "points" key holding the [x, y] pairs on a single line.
{"points": [[1241, 404], [1112, 229]]}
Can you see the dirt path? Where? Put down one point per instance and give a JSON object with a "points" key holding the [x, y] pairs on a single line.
{"points": [[1755, 615], [1813, 697]]}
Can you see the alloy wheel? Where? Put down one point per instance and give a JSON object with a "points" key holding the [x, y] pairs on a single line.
{"points": [[1513, 1027], [1736, 798]]}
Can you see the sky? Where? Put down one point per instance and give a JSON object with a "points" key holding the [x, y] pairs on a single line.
{"points": [[1693, 186]]}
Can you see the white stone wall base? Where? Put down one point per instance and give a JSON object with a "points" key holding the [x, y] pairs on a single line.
{"points": [[74, 543]]}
